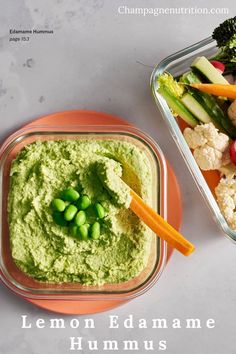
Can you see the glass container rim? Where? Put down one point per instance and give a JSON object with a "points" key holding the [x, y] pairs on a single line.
{"points": [[124, 129]]}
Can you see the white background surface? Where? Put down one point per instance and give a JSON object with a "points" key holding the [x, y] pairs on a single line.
{"points": [[91, 62]]}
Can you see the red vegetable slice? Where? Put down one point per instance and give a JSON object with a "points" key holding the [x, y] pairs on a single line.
{"points": [[232, 152], [218, 65]]}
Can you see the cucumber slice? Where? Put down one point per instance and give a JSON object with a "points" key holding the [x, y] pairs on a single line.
{"points": [[195, 108], [202, 65], [210, 105], [178, 107]]}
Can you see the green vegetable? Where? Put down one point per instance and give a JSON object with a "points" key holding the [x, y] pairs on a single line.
{"points": [[225, 36], [83, 202], [169, 83], [195, 108], [58, 204], [100, 212], [83, 232], [80, 218], [95, 231], [70, 195], [171, 91], [203, 66], [70, 212], [73, 229], [209, 103], [58, 218], [225, 31]]}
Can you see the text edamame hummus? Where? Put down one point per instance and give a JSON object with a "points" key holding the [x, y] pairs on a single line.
{"points": [[45, 250]]}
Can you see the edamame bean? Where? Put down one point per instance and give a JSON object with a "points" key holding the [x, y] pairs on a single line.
{"points": [[83, 202], [80, 218], [58, 218], [83, 232], [95, 231], [73, 229], [70, 195], [58, 204], [70, 212], [99, 210]]}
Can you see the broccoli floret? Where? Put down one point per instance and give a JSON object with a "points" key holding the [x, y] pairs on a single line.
{"points": [[225, 31], [225, 36]]}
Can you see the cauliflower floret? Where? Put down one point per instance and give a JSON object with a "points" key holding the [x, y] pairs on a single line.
{"points": [[210, 147], [215, 139], [208, 158], [226, 157], [208, 130], [221, 142], [193, 138], [232, 112], [226, 198], [229, 170]]}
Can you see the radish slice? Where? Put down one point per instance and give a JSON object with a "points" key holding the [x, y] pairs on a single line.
{"points": [[218, 65], [232, 152]]}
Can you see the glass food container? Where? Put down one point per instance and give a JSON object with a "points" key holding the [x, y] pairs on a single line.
{"points": [[26, 286], [177, 64]]}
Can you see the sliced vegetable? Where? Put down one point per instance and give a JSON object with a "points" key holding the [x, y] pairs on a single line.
{"points": [[195, 108], [209, 103], [172, 92], [203, 66], [232, 152], [218, 65], [217, 89]]}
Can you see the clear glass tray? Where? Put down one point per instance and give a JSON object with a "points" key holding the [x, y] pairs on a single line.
{"points": [[177, 64]]}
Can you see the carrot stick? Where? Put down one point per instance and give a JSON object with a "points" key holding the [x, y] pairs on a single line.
{"points": [[217, 89], [158, 225]]}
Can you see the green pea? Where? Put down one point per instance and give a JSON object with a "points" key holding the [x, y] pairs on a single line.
{"points": [[70, 195], [99, 210], [58, 204], [80, 218], [70, 212], [83, 202], [95, 231], [83, 232], [58, 218], [73, 229]]}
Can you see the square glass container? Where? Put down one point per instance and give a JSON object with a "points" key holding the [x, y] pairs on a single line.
{"points": [[177, 64], [26, 286]]}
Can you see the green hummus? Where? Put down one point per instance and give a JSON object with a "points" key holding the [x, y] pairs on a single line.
{"points": [[46, 251]]}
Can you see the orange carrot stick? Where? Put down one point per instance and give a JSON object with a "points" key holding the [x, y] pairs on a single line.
{"points": [[158, 225], [217, 89]]}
